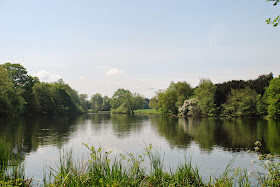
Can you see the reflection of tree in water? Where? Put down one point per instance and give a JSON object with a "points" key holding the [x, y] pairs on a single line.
{"points": [[230, 134], [99, 121], [27, 134], [169, 128], [124, 124]]}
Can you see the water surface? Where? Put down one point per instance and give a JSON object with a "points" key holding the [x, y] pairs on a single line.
{"points": [[209, 143]]}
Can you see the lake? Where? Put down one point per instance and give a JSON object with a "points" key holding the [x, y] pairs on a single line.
{"points": [[210, 144]]}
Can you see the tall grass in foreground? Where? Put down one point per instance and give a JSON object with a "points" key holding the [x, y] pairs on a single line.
{"points": [[128, 170], [11, 170]]}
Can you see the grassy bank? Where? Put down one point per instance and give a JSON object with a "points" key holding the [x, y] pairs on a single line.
{"points": [[146, 111]]}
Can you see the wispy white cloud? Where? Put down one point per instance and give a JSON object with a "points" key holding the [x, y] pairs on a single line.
{"points": [[114, 72], [46, 76]]}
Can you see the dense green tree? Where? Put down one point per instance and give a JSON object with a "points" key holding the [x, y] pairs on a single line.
{"points": [[85, 104], [106, 106], [10, 103], [45, 103], [123, 101], [55, 98], [273, 98], [205, 93], [146, 102], [96, 102], [18, 75], [173, 97], [167, 102], [153, 103], [260, 84], [242, 103]]}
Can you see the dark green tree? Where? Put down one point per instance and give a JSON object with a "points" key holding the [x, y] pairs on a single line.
{"points": [[96, 102], [273, 98], [241, 103], [123, 101], [205, 93]]}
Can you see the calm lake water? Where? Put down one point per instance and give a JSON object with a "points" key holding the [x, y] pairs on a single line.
{"points": [[210, 143]]}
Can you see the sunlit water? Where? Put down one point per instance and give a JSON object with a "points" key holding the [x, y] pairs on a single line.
{"points": [[210, 144]]}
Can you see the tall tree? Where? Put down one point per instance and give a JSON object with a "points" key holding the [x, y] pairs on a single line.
{"points": [[18, 75], [173, 97], [205, 93], [273, 98], [96, 102], [124, 101]]}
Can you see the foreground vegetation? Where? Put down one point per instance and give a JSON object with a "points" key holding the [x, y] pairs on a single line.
{"points": [[11, 169], [101, 169], [128, 170]]}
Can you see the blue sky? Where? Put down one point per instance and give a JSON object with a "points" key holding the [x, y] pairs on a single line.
{"points": [[100, 46]]}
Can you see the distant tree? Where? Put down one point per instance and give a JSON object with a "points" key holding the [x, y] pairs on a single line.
{"points": [[205, 93], [106, 106], [146, 102], [173, 97], [273, 98], [84, 102], [45, 103], [260, 84], [153, 103], [241, 103], [167, 102], [96, 102], [124, 101]]}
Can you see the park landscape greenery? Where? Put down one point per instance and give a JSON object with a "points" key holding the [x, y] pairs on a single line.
{"points": [[22, 94]]}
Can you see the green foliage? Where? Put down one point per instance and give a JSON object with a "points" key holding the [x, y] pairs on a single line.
{"points": [[56, 98], [276, 20], [153, 103], [241, 103], [106, 106], [171, 99], [84, 102], [96, 102], [123, 101], [273, 98], [190, 108], [127, 170], [205, 93], [11, 171], [167, 102], [18, 74], [10, 102]]}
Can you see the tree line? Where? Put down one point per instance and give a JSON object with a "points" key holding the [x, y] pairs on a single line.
{"points": [[236, 98], [23, 94]]}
